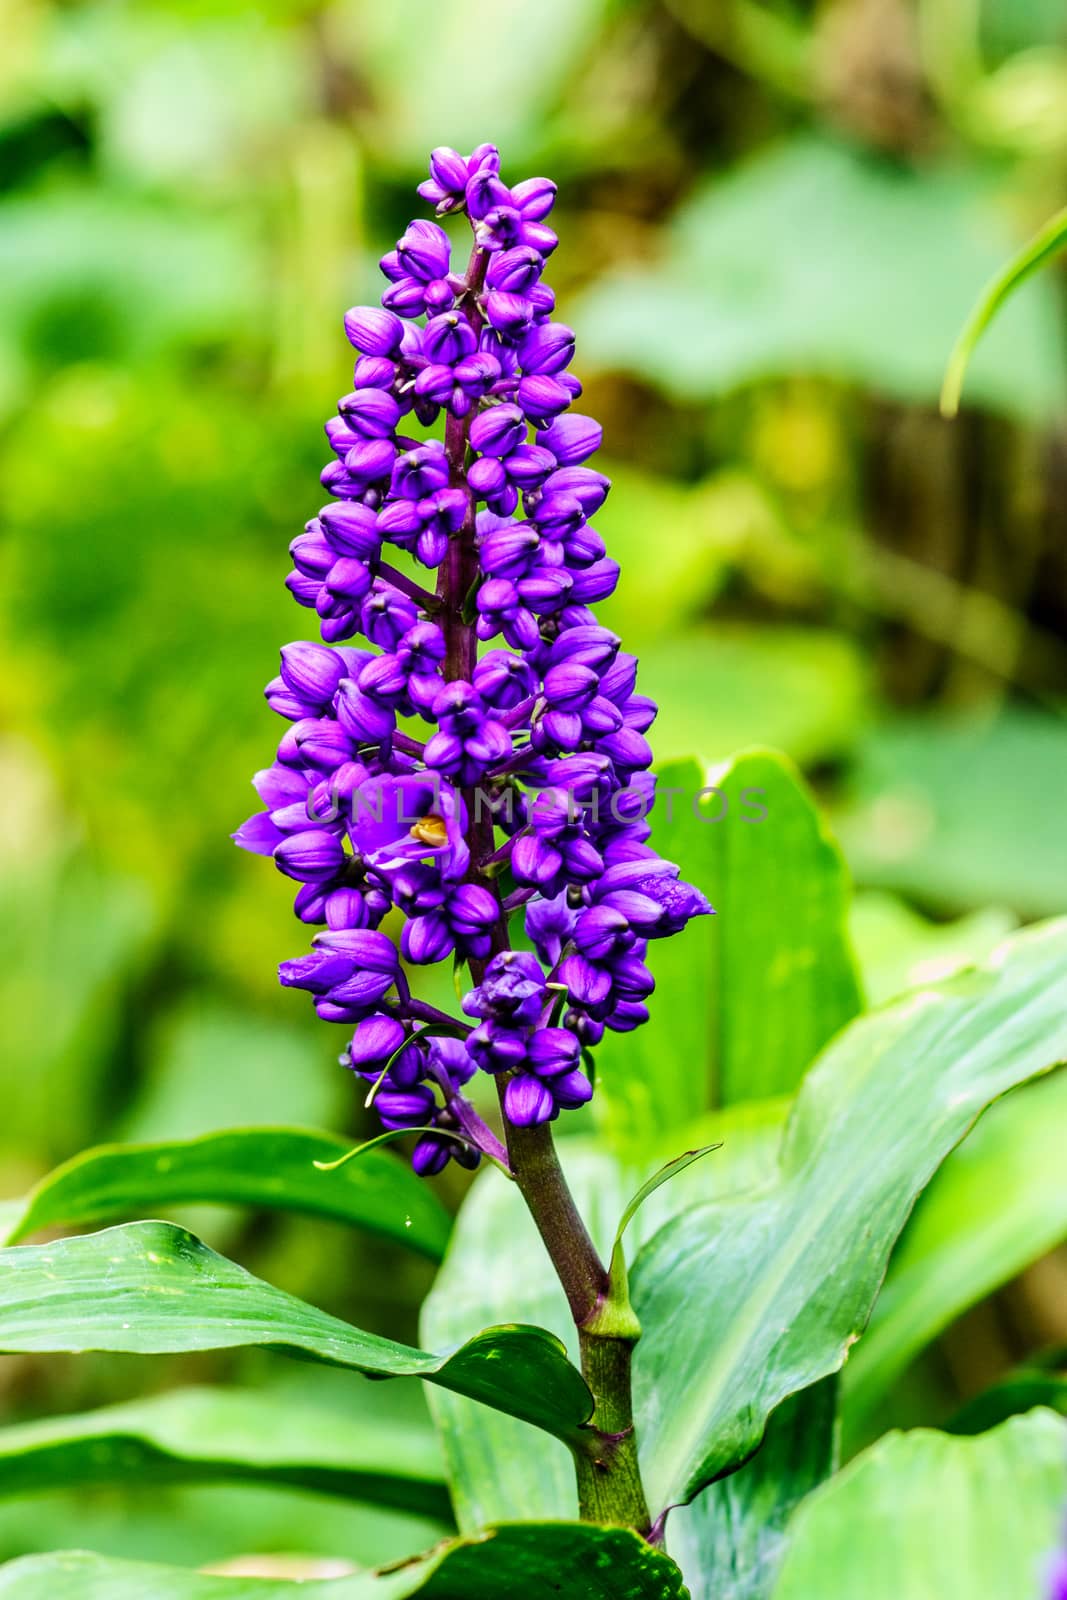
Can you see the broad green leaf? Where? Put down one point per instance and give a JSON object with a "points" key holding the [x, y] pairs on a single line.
{"points": [[777, 975], [534, 1561], [496, 1468], [270, 1167], [962, 812], [197, 1524], [744, 1302], [923, 1515], [152, 1288], [730, 1540], [726, 305], [1048, 242], [997, 1204], [227, 1435]]}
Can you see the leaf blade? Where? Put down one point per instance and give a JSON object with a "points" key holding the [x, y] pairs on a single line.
{"points": [[796, 1266], [533, 1560], [880, 1528], [243, 1166], [1048, 242], [226, 1435], [997, 1204], [153, 1288]]}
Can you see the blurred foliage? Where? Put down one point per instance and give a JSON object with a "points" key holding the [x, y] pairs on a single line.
{"points": [[774, 217]]}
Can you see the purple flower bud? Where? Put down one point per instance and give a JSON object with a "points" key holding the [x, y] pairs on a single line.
{"points": [[509, 552], [529, 466], [420, 472], [312, 672], [407, 297], [485, 190], [597, 582], [498, 431], [590, 645], [405, 1108], [386, 614], [321, 743], [372, 331], [496, 1048], [476, 374], [341, 436], [374, 372], [447, 338], [370, 460], [515, 271], [571, 1090], [527, 1101], [542, 398], [589, 488], [370, 412], [547, 349], [348, 579], [549, 925], [374, 1041], [361, 716], [258, 835], [534, 197], [425, 940], [448, 169], [431, 1154], [509, 314], [424, 251], [544, 590], [503, 680], [551, 1051], [488, 478], [587, 983], [572, 439]]}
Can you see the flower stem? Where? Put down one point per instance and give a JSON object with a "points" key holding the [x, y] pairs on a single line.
{"points": [[609, 1481]]}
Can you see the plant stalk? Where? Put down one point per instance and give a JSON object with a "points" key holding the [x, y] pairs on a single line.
{"points": [[609, 1480]]}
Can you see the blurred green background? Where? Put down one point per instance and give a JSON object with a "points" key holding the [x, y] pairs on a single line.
{"points": [[774, 219]]}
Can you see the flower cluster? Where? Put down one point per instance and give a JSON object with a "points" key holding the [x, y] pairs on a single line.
{"points": [[493, 704]]}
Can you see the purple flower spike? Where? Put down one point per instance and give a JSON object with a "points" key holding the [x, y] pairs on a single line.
{"points": [[491, 725]]}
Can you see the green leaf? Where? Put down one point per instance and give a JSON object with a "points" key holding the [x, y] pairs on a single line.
{"points": [[269, 1167], [998, 1203], [730, 1540], [726, 304], [779, 974], [496, 1468], [746, 1301], [531, 1560], [227, 1435], [923, 1515], [671, 1169], [152, 1288], [1048, 242]]}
